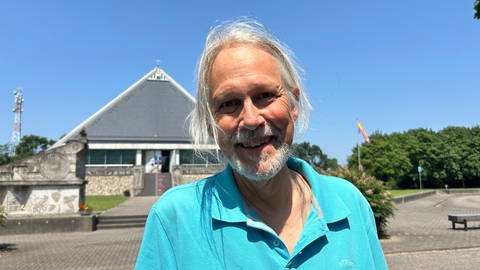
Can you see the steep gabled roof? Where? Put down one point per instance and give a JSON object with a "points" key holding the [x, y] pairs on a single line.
{"points": [[154, 109]]}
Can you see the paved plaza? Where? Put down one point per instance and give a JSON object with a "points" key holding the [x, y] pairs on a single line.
{"points": [[421, 238]]}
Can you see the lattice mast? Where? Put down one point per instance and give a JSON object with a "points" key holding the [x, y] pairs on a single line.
{"points": [[17, 123]]}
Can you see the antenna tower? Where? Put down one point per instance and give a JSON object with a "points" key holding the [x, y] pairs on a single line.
{"points": [[17, 124]]}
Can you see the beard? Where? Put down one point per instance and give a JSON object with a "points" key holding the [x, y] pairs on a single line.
{"points": [[266, 165]]}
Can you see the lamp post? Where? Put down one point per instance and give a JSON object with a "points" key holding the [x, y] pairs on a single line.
{"points": [[420, 175]]}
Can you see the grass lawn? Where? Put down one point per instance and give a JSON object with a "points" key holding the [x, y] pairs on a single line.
{"points": [[102, 203], [403, 192]]}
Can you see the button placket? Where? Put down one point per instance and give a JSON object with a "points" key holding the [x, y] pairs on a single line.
{"points": [[290, 265], [276, 242]]}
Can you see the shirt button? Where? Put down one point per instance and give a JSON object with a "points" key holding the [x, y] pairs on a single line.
{"points": [[276, 242]]}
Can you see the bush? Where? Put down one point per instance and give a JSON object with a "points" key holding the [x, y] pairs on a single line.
{"points": [[391, 184], [374, 191], [3, 215]]}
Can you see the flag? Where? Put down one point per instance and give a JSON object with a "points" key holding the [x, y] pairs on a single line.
{"points": [[361, 129]]}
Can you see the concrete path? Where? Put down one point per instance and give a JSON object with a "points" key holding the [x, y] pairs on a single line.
{"points": [[132, 206], [421, 238]]}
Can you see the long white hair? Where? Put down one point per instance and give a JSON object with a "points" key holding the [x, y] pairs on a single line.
{"points": [[242, 31]]}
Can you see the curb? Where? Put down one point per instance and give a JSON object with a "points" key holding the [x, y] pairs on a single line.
{"points": [[462, 191], [52, 224], [413, 197]]}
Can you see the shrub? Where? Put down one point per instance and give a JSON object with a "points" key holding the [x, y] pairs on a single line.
{"points": [[374, 191], [3, 215]]}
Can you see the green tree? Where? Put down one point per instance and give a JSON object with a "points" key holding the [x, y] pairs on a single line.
{"points": [[476, 7], [312, 154], [4, 157], [423, 147], [30, 145], [450, 156], [460, 158], [471, 161], [384, 158]]}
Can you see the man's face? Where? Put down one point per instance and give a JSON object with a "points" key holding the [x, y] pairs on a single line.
{"points": [[252, 111]]}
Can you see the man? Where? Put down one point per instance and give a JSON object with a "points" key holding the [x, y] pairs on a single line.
{"points": [[266, 210]]}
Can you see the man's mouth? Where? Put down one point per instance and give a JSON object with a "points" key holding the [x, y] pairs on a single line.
{"points": [[254, 143]]}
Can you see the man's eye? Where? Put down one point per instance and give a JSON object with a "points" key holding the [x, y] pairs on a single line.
{"points": [[229, 106], [265, 97]]}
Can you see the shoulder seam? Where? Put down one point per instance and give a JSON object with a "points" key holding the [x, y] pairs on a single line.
{"points": [[166, 234]]}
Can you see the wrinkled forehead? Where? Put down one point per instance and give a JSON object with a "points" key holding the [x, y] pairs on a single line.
{"points": [[238, 44]]}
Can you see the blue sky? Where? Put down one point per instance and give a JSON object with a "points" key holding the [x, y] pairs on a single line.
{"points": [[396, 65]]}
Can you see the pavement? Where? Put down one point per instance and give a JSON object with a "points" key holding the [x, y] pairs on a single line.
{"points": [[420, 238], [133, 206], [101, 249]]}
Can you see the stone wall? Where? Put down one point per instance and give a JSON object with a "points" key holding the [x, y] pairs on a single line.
{"points": [[48, 183], [111, 180], [40, 200], [184, 174], [109, 185]]}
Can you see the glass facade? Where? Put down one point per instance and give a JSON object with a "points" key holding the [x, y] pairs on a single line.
{"points": [[189, 157], [110, 157]]}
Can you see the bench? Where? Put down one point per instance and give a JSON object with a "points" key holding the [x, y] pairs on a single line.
{"points": [[463, 219]]}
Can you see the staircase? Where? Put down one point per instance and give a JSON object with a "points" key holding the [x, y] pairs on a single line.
{"points": [[104, 222], [130, 214]]}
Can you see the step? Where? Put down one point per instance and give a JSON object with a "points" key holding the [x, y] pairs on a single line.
{"points": [[106, 217], [120, 226], [121, 220], [117, 222]]}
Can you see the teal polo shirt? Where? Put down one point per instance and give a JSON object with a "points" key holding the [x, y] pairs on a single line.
{"points": [[205, 225]]}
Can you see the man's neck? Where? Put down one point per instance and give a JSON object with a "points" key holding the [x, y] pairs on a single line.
{"points": [[269, 194], [283, 202]]}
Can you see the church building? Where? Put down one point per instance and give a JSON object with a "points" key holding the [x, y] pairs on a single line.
{"points": [[138, 143]]}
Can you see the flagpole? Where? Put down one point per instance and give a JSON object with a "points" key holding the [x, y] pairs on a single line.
{"points": [[358, 152], [361, 129]]}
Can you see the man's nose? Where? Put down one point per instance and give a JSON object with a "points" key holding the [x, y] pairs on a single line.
{"points": [[251, 117]]}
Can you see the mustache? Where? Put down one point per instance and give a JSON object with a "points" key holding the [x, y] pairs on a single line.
{"points": [[249, 135]]}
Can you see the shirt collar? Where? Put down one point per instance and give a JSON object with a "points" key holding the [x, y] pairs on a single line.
{"points": [[331, 205], [228, 204]]}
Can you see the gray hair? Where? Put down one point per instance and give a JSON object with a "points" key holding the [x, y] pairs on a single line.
{"points": [[244, 31]]}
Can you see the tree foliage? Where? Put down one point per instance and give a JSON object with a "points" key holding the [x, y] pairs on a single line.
{"points": [[29, 145], [476, 7], [32, 144], [3, 215], [312, 154], [4, 157], [450, 156]]}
